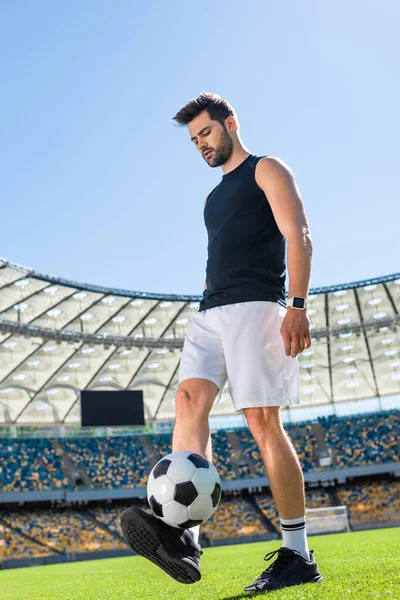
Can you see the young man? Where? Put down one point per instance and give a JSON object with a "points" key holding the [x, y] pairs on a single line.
{"points": [[244, 332]]}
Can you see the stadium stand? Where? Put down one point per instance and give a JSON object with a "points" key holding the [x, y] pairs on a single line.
{"points": [[268, 507], [62, 530], [161, 444], [14, 545], [305, 443], [221, 455], [31, 464], [371, 502], [110, 462], [317, 499], [363, 439], [233, 518], [122, 461], [303, 440], [109, 516]]}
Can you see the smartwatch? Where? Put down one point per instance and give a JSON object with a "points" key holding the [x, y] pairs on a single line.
{"points": [[296, 302]]}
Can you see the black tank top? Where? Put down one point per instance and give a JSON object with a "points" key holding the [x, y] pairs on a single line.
{"points": [[246, 250]]}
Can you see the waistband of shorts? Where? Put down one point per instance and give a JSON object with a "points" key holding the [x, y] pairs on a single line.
{"points": [[220, 302]]}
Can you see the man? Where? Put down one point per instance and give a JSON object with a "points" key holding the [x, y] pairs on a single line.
{"points": [[246, 333]]}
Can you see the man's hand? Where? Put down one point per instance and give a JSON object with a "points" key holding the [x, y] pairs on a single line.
{"points": [[295, 332]]}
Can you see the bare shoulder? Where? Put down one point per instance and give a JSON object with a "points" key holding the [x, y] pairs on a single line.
{"points": [[273, 166], [273, 173]]}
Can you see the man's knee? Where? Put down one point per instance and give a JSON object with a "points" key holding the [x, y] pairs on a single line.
{"points": [[262, 420], [192, 403], [183, 401]]}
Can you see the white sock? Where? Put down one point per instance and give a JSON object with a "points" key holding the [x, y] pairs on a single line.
{"points": [[294, 535], [195, 531]]}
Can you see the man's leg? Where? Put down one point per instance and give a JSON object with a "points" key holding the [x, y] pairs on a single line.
{"points": [[284, 473], [175, 550], [193, 402]]}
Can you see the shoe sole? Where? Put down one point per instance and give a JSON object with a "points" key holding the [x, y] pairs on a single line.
{"points": [[315, 579], [144, 540]]}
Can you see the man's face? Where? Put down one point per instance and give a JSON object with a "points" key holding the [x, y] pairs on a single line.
{"points": [[211, 139]]}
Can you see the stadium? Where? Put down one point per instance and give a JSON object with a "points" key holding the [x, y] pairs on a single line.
{"points": [[63, 487]]}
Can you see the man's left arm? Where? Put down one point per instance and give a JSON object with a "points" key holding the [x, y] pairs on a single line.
{"points": [[279, 185]]}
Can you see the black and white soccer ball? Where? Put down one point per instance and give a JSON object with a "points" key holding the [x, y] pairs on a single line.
{"points": [[184, 489]]}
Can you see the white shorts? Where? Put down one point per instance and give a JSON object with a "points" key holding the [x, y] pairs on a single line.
{"points": [[242, 343]]}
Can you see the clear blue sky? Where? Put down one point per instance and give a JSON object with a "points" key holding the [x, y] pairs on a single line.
{"points": [[97, 184]]}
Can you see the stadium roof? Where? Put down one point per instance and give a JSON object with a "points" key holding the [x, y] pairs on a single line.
{"points": [[58, 337]]}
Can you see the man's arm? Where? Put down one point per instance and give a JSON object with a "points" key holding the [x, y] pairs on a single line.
{"points": [[279, 185]]}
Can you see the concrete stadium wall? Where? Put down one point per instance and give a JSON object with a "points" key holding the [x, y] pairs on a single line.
{"points": [[244, 539], [376, 525]]}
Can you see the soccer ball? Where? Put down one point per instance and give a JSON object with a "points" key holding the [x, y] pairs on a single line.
{"points": [[184, 489]]}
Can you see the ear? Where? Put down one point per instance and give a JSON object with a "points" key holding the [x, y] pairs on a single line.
{"points": [[231, 124]]}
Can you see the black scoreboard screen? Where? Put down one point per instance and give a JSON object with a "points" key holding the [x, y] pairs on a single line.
{"points": [[111, 408]]}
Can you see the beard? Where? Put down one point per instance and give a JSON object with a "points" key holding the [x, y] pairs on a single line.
{"points": [[224, 150]]}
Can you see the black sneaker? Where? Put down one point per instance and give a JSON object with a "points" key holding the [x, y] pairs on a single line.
{"points": [[290, 568], [173, 550]]}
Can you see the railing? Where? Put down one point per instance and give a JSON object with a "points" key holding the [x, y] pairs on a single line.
{"points": [[106, 340]]}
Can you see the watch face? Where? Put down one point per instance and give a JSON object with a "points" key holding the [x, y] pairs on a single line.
{"points": [[298, 302]]}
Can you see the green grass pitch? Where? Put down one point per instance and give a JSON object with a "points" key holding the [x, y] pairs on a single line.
{"points": [[360, 565]]}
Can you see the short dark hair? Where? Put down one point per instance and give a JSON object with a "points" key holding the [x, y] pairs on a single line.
{"points": [[218, 109]]}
